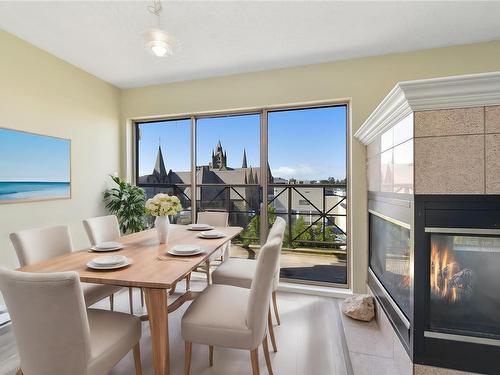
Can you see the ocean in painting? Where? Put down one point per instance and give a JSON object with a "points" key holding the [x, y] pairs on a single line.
{"points": [[20, 190]]}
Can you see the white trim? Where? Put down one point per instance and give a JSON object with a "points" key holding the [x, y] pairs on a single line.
{"points": [[430, 94], [315, 290]]}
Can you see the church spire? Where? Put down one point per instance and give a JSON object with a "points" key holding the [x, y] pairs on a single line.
{"points": [[160, 169], [244, 165]]}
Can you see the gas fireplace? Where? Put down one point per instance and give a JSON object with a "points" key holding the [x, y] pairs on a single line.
{"points": [[464, 283], [435, 271], [456, 294]]}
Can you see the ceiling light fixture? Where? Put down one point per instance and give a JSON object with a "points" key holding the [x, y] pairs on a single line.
{"points": [[158, 41]]}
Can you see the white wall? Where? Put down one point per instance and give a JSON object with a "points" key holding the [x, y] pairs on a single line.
{"points": [[42, 94]]}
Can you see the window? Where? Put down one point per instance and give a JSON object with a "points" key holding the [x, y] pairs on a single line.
{"points": [[292, 161]]}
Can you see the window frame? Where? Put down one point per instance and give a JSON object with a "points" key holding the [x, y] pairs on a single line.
{"points": [[263, 113]]}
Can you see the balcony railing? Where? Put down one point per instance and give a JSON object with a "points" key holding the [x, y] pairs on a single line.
{"points": [[316, 214]]}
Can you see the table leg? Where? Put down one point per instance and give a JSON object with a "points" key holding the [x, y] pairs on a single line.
{"points": [[156, 302]]}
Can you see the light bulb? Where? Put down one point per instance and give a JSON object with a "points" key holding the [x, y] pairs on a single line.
{"points": [[159, 43], [159, 48]]}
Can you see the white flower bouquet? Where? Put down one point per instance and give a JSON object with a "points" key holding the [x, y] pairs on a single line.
{"points": [[163, 205]]}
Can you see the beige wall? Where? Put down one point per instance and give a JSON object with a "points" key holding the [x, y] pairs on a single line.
{"points": [[42, 94], [366, 81]]}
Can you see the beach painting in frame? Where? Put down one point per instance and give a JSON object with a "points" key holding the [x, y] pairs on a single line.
{"points": [[33, 167]]}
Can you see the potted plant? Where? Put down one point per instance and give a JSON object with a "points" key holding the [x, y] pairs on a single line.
{"points": [[162, 206], [126, 201]]}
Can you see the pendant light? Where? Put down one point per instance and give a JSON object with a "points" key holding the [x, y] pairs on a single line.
{"points": [[158, 42]]}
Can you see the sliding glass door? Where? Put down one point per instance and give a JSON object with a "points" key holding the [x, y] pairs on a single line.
{"points": [[291, 161], [307, 186]]}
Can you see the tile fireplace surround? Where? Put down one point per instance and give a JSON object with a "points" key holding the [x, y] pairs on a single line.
{"points": [[433, 170]]}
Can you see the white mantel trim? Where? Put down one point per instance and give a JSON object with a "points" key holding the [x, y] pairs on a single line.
{"points": [[430, 94]]}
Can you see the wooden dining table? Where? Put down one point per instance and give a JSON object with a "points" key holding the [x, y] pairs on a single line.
{"points": [[152, 269]]}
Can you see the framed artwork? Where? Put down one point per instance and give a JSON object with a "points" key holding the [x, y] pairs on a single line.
{"points": [[33, 167]]}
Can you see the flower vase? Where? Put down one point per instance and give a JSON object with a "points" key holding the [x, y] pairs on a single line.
{"points": [[162, 224]]}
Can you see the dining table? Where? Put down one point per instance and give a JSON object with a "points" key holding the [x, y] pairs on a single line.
{"points": [[153, 269]]}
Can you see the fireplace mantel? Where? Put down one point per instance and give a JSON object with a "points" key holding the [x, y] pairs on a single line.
{"points": [[430, 94]]}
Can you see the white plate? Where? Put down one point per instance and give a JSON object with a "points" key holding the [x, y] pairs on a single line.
{"points": [[109, 260], [94, 248], [185, 249], [184, 254], [108, 245], [200, 227], [96, 267], [211, 235]]}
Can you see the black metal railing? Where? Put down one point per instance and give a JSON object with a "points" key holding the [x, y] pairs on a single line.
{"points": [[316, 214]]}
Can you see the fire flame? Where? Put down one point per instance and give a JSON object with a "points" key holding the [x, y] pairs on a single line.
{"points": [[443, 267]]}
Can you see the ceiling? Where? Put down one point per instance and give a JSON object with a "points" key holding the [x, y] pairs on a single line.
{"points": [[221, 38]]}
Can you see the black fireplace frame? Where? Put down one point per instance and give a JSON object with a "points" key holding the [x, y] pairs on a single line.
{"points": [[448, 211]]}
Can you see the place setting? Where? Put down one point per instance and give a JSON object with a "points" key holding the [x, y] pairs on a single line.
{"points": [[109, 262], [199, 227], [107, 246], [185, 250], [211, 235]]}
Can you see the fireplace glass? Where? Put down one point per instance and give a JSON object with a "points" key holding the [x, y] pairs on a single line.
{"points": [[465, 285], [390, 259]]}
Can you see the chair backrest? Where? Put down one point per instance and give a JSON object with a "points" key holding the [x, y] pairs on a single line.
{"points": [[260, 291], [277, 231], [35, 245], [216, 219], [102, 228], [49, 320]]}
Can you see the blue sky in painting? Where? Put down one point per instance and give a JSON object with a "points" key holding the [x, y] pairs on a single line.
{"points": [[31, 157], [305, 144]]}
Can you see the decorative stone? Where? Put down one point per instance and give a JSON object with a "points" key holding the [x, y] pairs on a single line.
{"points": [[359, 307]]}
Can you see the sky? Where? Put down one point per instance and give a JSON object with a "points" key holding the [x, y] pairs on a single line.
{"points": [[32, 157], [307, 144]]}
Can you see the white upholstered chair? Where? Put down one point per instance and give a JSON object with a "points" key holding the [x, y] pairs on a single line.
{"points": [[241, 272], [102, 229], [215, 219], [56, 334], [234, 317], [36, 245]]}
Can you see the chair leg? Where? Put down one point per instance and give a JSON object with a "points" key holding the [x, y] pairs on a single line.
{"points": [[112, 302], [131, 300], [188, 281], [271, 330], [208, 271], [211, 355], [142, 298], [265, 348], [254, 355], [137, 359], [187, 357], [275, 305]]}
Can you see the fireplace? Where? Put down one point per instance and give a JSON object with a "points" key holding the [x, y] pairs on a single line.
{"points": [[390, 258], [464, 283], [457, 282], [390, 272]]}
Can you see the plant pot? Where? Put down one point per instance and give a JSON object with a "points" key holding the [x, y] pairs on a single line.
{"points": [[162, 224]]}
